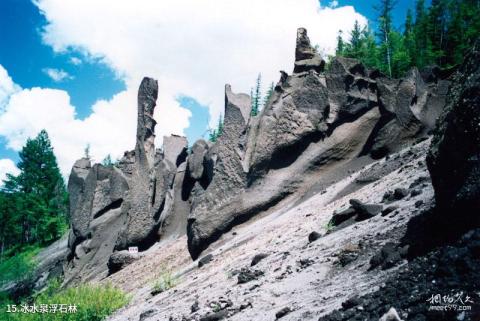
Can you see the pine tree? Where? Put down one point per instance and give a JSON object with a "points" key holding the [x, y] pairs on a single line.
{"points": [[268, 94], [340, 50], [220, 126], [107, 161], [256, 97], [38, 193], [356, 41], [409, 38]]}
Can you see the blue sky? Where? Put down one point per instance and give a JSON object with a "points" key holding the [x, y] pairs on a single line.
{"points": [[78, 54]]}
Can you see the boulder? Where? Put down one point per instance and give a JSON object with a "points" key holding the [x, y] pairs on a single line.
{"points": [[454, 156], [119, 260], [196, 160], [365, 211]]}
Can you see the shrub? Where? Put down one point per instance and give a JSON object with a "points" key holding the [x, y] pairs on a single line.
{"points": [[164, 283], [93, 303], [18, 267]]}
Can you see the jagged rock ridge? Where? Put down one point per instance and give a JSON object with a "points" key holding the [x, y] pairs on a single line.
{"points": [[316, 124]]}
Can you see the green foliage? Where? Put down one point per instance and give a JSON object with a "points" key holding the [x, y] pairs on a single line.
{"points": [[107, 161], [33, 205], [329, 226], [165, 282], [256, 96], [440, 34], [19, 267], [268, 94], [94, 303], [215, 133]]}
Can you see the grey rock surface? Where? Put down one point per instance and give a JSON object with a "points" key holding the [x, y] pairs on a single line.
{"points": [[228, 177], [197, 161], [454, 156], [175, 149], [306, 58]]}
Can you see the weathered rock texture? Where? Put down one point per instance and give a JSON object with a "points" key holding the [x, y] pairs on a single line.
{"points": [[316, 126], [129, 204], [316, 122], [454, 156]]}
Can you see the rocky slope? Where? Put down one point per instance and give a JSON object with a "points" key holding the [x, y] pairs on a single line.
{"points": [[320, 207]]}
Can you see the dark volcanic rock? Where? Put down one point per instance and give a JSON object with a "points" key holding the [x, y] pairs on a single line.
{"points": [[451, 271], [400, 193], [389, 210], [257, 258], [312, 237], [119, 260], [342, 216], [146, 314], [306, 58], [216, 316], [365, 211], [454, 156], [196, 160], [388, 256], [205, 260], [246, 275], [283, 312]]}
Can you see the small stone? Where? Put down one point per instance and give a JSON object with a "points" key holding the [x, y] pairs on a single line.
{"points": [[400, 193], [246, 275], [283, 312], [416, 192], [418, 203], [257, 258], [205, 260], [195, 307], [389, 210], [147, 314], [314, 236]]}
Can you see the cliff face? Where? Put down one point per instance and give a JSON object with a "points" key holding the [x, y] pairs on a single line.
{"points": [[317, 125]]}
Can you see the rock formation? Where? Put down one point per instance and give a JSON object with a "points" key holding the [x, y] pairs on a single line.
{"points": [[316, 124], [128, 204], [454, 156]]}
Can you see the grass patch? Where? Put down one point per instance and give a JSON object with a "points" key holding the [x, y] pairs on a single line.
{"points": [[18, 267], [165, 282], [329, 226], [93, 303]]}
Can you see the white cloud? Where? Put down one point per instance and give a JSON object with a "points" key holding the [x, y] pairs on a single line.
{"points": [[192, 47], [57, 75], [76, 61], [7, 166], [110, 129], [7, 87]]}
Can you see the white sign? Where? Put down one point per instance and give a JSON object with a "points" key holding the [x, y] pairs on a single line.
{"points": [[133, 249]]}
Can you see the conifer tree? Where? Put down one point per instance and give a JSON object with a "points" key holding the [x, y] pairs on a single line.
{"points": [[256, 97], [36, 198]]}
